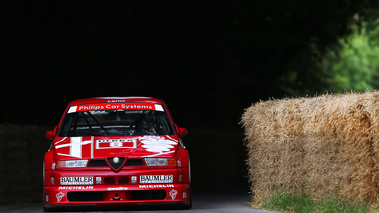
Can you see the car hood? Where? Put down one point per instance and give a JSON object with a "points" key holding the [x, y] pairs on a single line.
{"points": [[88, 147]]}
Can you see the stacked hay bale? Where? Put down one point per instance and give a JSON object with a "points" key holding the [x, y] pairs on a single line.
{"points": [[320, 144]]}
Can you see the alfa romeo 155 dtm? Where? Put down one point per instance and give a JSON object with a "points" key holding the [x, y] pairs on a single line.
{"points": [[116, 151]]}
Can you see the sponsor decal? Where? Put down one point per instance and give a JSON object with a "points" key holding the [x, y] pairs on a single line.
{"points": [[75, 147], [53, 166], [173, 194], [117, 188], [156, 179], [134, 179], [76, 180], [52, 181], [184, 195], [115, 105], [116, 143], [158, 144], [156, 186], [59, 196], [98, 180], [113, 101], [63, 139], [75, 187], [47, 198]]}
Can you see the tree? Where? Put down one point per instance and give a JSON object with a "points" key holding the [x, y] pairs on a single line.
{"points": [[355, 66]]}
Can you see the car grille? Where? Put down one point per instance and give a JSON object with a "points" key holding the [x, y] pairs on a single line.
{"points": [[102, 163], [123, 180], [120, 180], [109, 180]]}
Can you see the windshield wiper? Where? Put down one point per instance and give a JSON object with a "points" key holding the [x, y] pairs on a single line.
{"points": [[82, 131], [98, 123]]}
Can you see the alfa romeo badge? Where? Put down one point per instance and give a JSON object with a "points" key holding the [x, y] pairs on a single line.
{"points": [[116, 160]]}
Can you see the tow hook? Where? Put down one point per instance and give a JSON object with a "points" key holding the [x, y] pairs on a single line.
{"points": [[116, 197]]}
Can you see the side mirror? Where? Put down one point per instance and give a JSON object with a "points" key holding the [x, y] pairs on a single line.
{"points": [[182, 132], [51, 134]]}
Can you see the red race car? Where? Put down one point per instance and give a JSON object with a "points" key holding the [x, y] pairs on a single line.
{"points": [[115, 152]]}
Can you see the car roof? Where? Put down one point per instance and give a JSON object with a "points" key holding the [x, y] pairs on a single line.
{"points": [[131, 99]]}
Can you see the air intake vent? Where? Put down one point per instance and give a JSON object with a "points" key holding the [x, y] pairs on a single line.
{"points": [[102, 163], [148, 195], [85, 196]]}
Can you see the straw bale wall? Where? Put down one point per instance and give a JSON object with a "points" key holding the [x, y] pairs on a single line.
{"points": [[328, 143]]}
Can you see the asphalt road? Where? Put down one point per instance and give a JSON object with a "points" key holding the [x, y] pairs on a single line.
{"points": [[236, 202]]}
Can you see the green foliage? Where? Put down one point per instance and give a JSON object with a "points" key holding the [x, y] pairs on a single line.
{"points": [[287, 201], [334, 204], [300, 201], [355, 66], [351, 63]]}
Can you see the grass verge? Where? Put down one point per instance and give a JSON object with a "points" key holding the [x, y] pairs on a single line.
{"points": [[302, 202]]}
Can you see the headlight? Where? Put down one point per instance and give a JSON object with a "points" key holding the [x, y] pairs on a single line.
{"points": [[72, 163], [160, 162]]}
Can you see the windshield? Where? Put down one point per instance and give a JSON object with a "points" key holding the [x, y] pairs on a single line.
{"points": [[115, 122]]}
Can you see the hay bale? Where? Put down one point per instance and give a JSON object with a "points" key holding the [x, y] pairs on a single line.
{"points": [[320, 144]]}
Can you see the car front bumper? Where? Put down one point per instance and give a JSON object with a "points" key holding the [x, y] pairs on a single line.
{"points": [[110, 195], [123, 191]]}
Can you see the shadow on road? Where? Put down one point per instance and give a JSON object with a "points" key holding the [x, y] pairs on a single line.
{"points": [[220, 201]]}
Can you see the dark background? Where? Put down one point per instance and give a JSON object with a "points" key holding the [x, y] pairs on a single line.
{"points": [[209, 60]]}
